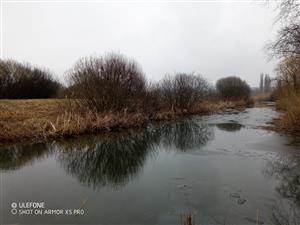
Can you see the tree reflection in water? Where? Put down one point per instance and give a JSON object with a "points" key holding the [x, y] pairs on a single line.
{"points": [[185, 134], [286, 169], [15, 157], [111, 159], [115, 158]]}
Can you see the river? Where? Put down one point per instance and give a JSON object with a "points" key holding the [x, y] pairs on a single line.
{"points": [[222, 168]]}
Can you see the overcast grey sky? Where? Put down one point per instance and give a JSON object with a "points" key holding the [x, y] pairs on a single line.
{"points": [[215, 39]]}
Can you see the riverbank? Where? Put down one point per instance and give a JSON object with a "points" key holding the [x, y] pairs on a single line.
{"points": [[289, 121], [40, 120], [288, 104]]}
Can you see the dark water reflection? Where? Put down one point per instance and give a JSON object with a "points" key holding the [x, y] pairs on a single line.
{"points": [[185, 135], [114, 159], [231, 127], [15, 157], [109, 160], [286, 169], [221, 168]]}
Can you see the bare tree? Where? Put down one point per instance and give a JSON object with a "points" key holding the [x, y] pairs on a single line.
{"points": [[288, 72], [286, 46], [289, 10], [287, 43]]}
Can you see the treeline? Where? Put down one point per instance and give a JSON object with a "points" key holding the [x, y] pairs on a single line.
{"points": [[115, 83], [23, 81]]}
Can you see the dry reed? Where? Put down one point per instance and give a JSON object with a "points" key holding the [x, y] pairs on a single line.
{"points": [[289, 103], [39, 120]]}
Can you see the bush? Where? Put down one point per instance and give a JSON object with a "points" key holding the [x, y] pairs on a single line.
{"points": [[109, 83], [153, 99], [233, 88], [183, 91], [22, 81]]}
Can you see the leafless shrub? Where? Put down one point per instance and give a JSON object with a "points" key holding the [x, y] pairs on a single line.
{"points": [[153, 99], [109, 83], [233, 88], [183, 91]]}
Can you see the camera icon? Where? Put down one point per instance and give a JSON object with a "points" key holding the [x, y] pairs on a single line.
{"points": [[14, 205]]}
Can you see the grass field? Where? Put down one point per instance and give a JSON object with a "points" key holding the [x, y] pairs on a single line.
{"points": [[38, 120], [22, 119]]}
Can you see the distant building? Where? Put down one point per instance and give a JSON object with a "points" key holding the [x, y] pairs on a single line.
{"points": [[265, 83], [261, 83]]}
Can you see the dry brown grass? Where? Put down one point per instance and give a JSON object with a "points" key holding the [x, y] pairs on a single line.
{"points": [[214, 106], [42, 119], [21, 119], [262, 97], [38, 120], [289, 103]]}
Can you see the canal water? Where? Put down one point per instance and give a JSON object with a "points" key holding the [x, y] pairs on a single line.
{"points": [[221, 169]]}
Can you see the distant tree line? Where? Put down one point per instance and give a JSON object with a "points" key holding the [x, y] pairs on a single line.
{"points": [[23, 81], [116, 83]]}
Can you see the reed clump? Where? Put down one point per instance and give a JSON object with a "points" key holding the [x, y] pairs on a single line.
{"points": [[289, 102]]}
